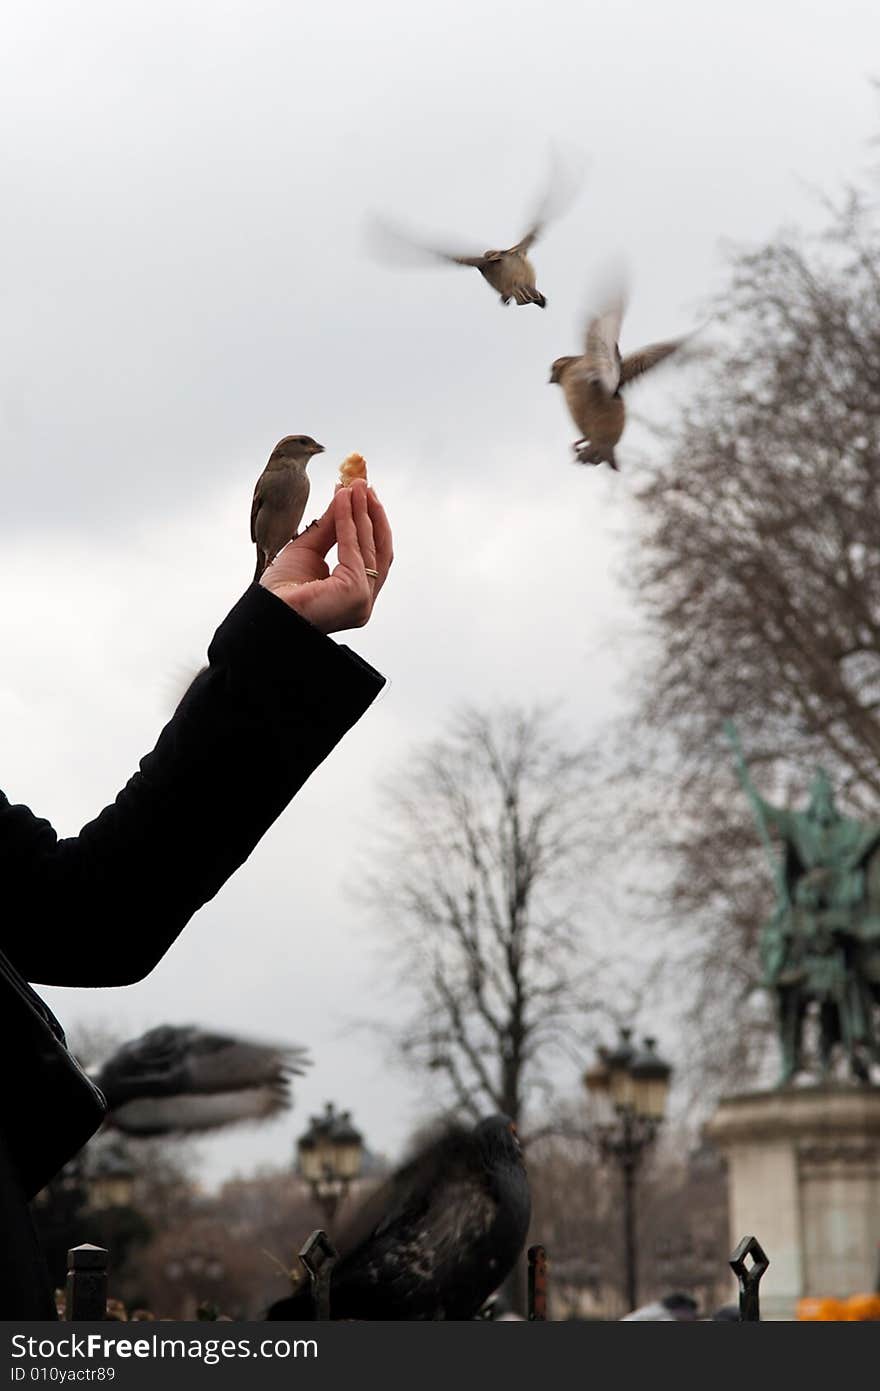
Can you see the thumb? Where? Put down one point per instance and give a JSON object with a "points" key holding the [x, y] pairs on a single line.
{"points": [[320, 535]]}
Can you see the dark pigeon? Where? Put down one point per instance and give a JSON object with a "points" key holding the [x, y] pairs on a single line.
{"points": [[437, 1238]]}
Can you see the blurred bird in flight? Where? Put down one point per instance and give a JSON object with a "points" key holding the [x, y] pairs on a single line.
{"points": [[592, 381], [181, 1079], [509, 271]]}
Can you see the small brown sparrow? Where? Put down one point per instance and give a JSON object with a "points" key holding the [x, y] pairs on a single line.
{"points": [[280, 497], [592, 382], [509, 271]]}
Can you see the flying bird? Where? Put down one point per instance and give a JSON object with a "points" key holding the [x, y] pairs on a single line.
{"points": [[509, 271], [435, 1239], [176, 1079], [280, 497], [593, 381]]}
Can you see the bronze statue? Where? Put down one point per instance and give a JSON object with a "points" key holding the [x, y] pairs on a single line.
{"points": [[822, 943]]}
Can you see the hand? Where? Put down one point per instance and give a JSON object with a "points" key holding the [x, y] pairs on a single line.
{"points": [[356, 523]]}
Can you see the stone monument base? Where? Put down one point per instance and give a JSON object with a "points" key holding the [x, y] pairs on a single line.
{"points": [[804, 1178]]}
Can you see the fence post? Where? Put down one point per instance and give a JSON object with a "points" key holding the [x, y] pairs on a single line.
{"points": [[537, 1283], [86, 1293], [319, 1257], [749, 1277]]}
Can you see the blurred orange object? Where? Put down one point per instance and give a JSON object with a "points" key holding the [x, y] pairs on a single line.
{"points": [[353, 466], [822, 1310], [862, 1307]]}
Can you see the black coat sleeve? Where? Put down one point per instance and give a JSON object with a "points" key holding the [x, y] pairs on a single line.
{"points": [[103, 907]]}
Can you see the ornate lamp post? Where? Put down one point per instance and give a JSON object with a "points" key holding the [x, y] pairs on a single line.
{"points": [[110, 1178], [631, 1085], [329, 1156]]}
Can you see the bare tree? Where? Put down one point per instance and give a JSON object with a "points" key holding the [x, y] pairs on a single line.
{"points": [[760, 570], [483, 884]]}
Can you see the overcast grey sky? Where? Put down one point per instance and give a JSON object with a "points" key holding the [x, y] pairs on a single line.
{"points": [[185, 281]]}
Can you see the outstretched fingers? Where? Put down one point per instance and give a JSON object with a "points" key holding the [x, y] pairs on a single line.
{"points": [[363, 523], [352, 564]]}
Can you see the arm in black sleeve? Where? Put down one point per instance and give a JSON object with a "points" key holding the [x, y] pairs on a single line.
{"points": [[103, 907]]}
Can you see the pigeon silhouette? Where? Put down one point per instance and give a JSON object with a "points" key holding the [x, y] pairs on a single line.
{"points": [[435, 1239], [179, 1079]]}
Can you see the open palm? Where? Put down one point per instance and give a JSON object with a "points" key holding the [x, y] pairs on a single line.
{"points": [[355, 522]]}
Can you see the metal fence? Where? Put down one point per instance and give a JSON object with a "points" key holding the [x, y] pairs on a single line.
{"points": [[86, 1289]]}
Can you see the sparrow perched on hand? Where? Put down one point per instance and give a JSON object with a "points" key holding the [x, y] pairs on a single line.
{"points": [[592, 382], [280, 497]]}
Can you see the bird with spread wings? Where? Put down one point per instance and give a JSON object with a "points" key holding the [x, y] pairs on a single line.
{"points": [[593, 380], [509, 270], [182, 1079]]}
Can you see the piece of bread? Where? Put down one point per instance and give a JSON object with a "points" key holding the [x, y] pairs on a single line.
{"points": [[354, 466]]}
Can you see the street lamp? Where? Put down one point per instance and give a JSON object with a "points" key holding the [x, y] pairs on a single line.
{"points": [[110, 1177], [329, 1156], [632, 1085]]}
